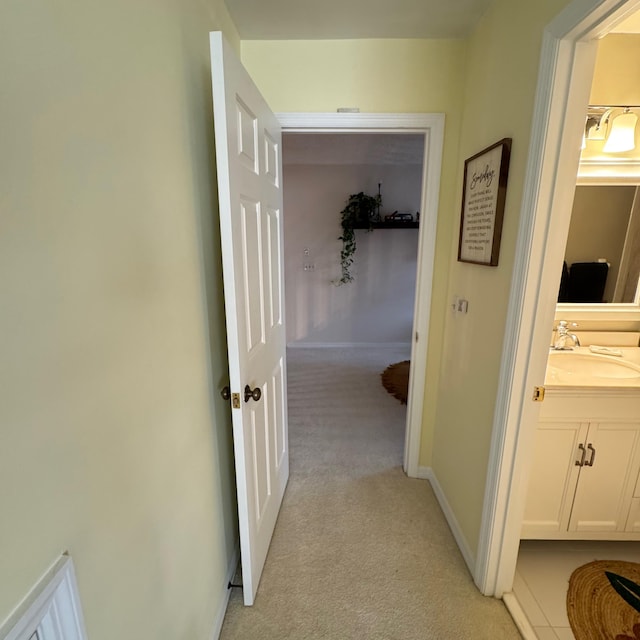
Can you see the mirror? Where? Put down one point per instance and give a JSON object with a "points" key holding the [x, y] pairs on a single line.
{"points": [[602, 255]]}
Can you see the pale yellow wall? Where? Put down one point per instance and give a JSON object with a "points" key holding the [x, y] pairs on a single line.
{"points": [[378, 76], [501, 81], [115, 444], [616, 81], [374, 75], [616, 77]]}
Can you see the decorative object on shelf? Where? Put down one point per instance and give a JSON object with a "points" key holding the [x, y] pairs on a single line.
{"points": [[399, 217], [483, 199], [362, 211]]}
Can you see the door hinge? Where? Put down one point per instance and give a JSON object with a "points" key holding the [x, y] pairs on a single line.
{"points": [[538, 394], [235, 400]]}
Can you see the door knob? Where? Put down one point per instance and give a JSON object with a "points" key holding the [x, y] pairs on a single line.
{"points": [[256, 394], [225, 392]]}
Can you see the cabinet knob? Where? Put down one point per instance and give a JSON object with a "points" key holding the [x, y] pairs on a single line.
{"points": [[580, 463]]}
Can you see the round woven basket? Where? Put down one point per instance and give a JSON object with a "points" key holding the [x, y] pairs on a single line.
{"points": [[595, 606]]}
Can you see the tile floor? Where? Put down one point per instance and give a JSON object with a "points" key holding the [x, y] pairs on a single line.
{"points": [[542, 577]]}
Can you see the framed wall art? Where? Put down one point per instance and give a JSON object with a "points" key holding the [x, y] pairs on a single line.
{"points": [[483, 197]]}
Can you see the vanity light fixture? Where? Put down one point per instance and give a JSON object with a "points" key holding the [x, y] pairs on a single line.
{"points": [[597, 123], [613, 124], [622, 134]]}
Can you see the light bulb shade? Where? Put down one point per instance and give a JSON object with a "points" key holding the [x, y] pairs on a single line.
{"points": [[622, 136]]}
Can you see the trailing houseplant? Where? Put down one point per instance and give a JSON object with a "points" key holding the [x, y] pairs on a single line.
{"points": [[361, 211]]}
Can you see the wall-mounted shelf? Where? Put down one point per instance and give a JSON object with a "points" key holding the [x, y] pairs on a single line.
{"points": [[390, 224]]}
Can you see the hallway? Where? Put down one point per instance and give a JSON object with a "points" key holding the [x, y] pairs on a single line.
{"points": [[359, 550]]}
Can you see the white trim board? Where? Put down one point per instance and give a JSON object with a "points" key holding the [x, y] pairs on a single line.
{"points": [[565, 72], [427, 473], [51, 608], [224, 602], [348, 345], [519, 616], [345, 122], [432, 126]]}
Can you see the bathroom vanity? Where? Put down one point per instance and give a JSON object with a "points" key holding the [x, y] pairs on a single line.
{"points": [[585, 479]]}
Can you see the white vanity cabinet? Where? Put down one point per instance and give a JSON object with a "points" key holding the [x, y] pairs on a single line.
{"points": [[584, 482]]}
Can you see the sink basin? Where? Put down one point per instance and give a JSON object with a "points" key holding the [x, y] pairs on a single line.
{"points": [[567, 366]]}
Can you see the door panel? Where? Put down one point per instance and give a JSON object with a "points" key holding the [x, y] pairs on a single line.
{"points": [[275, 260], [553, 478], [252, 268], [249, 168], [279, 411], [247, 137]]}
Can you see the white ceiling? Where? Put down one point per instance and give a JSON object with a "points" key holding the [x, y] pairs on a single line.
{"points": [[352, 148], [345, 19], [340, 19]]}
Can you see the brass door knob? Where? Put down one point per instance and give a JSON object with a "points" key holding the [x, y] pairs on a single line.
{"points": [[256, 394]]}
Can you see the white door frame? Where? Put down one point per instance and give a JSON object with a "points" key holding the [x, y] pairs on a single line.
{"points": [[432, 126], [564, 82]]}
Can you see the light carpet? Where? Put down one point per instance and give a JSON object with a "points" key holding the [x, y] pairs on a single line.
{"points": [[359, 550]]}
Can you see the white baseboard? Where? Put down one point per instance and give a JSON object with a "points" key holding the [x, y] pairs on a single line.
{"points": [[348, 345], [426, 473], [519, 616], [224, 601]]}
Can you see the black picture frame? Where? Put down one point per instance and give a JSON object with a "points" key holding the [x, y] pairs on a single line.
{"points": [[483, 199]]}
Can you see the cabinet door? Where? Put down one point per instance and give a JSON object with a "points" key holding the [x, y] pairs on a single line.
{"points": [[604, 491], [553, 478], [633, 522]]}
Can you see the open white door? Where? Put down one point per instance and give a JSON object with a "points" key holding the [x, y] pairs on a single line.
{"points": [[248, 155]]}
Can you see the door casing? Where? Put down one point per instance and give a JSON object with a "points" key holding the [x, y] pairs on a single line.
{"points": [[432, 126]]}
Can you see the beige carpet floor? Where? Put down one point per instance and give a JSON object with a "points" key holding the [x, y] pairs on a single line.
{"points": [[360, 551]]}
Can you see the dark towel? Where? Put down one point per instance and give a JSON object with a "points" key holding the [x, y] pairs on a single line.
{"points": [[563, 294], [587, 281]]}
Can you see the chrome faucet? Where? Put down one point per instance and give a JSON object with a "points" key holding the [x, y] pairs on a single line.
{"points": [[562, 335]]}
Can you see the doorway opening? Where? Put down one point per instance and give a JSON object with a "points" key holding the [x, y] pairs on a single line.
{"points": [[430, 128], [320, 173]]}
